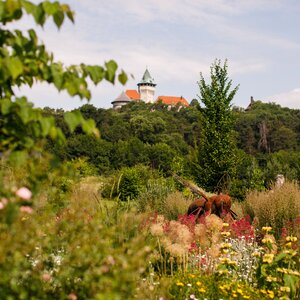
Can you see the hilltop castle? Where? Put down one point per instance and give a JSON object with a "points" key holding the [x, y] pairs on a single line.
{"points": [[146, 93]]}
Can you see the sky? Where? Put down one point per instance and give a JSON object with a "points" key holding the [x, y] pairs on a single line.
{"points": [[176, 40]]}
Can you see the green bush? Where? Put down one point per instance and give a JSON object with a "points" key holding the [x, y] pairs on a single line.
{"points": [[76, 252]]}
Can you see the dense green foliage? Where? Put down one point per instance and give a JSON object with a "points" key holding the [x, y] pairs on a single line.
{"points": [[216, 157], [170, 140], [24, 60]]}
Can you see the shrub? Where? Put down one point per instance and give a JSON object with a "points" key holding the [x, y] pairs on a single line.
{"points": [[77, 253], [275, 208]]}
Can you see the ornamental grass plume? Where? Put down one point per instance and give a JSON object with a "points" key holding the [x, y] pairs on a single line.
{"points": [[201, 236], [179, 233], [275, 208], [157, 229], [213, 223]]}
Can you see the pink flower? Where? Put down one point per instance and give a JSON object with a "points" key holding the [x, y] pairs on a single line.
{"points": [[26, 209], [3, 203], [72, 296], [24, 193], [46, 276]]}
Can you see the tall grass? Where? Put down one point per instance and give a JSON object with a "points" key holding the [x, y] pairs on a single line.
{"points": [[275, 208]]}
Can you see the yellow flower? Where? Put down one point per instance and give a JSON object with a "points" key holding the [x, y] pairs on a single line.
{"points": [[289, 244], [268, 258], [225, 233], [291, 239], [179, 284], [192, 275], [239, 291], [202, 290], [225, 225], [226, 245], [285, 289], [267, 228], [256, 254], [271, 294]]}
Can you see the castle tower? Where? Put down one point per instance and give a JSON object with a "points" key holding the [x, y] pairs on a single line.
{"points": [[147, 88]]}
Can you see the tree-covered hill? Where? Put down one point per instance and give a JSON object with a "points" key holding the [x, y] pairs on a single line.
{"points": [[267, 135]]}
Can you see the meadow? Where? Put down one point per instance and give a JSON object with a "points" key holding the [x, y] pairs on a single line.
{"points": [[69, 242]]}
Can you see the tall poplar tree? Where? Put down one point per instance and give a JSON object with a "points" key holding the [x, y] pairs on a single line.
{"points": [[216, 157]]}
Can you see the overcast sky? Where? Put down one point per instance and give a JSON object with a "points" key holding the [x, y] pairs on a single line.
{"points": [[176, 40]]}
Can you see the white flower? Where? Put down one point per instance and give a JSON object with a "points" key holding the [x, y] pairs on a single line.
{"points": [[24, 193]]}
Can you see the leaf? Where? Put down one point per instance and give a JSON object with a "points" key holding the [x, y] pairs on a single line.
{"points": [[46, 124], [58, 18], [279, 257], [15, 67], [33, 36], [24, 113], [18, 157], [66, 9], [57, 74], [123, 77], [89, 127], [50, 8], [29, 7], [12, 6], [5, 105], [70, 15], [73, 119], [96, 73], [39, 15], [111, 67]]}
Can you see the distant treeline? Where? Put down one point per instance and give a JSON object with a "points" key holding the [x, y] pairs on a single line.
{"points": [[267, 135]]}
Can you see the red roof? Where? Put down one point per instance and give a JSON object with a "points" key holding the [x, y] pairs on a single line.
{"points": [[133, 94], [171, 100]]}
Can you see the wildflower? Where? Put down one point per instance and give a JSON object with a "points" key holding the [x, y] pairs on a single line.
{"points": [[24, 193], [285, 289], [271, 279], [271, 294], [225, 225], [189, 285], [226, 245], [46, 276], [256, 254], [72, 296], [267, 229], [291, 239], [202, 290], [3, 203], [268, 258], [26, 209], [288, 245], [225, 233], [179, 284]]}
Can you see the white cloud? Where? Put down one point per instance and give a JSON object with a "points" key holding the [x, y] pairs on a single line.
{"points": [[289, 99]]}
